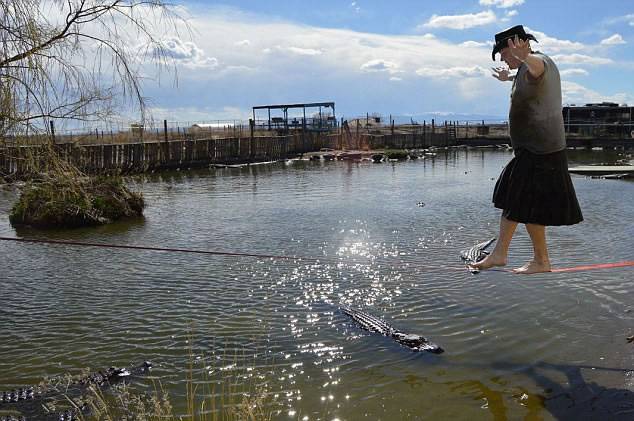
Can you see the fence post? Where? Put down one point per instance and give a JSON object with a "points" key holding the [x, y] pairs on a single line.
{"points": [[251, 136], [165, 129], [52, 131], [341, 135]]}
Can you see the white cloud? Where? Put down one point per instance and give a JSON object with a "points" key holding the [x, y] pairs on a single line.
{"points": [[307, 62], [186, 116], [626, 18], [461, 21], [474, 89], [554, 45], [293, 50], [574, 93], [380, 65], [574, 72], [509, 14], [504, 4], [615, 39], [470, 44], [186, 53], [243, 43], [238, 68], [452, 72], [580, 59], [304, 51]]}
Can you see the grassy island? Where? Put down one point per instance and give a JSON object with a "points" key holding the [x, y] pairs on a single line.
{"points": [[69, 202], [399, 154]]}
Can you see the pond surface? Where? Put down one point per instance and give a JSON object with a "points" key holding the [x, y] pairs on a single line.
{"points": [[547, 346]]}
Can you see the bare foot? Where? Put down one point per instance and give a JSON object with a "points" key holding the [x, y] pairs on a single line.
{"points": [[492, 260], [533, 266]]}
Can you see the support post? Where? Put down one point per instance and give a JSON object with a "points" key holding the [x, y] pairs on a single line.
{"points": [[424, 130], [251, 136], [52, 124]]}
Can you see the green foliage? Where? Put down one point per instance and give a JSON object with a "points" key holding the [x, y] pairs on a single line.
{"points": [[68, 202], [399, 154]]}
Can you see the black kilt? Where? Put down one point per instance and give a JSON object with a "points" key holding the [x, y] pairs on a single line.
{"points": [[537, 189]]}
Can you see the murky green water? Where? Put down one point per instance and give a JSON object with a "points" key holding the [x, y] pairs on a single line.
{"points": [[516, 347]]}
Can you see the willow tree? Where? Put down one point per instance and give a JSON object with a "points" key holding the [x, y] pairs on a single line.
{"points": [[76, 60], [79, 60]]}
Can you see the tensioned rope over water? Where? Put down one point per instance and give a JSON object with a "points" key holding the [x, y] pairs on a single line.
{"points": [[284, 257], [209, 252], [167, 249]]}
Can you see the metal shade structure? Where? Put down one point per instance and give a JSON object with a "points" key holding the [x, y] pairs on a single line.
{"points": [[310, 124]]}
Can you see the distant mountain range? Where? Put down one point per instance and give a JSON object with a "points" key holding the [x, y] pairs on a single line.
{"points": [[438, 117]]}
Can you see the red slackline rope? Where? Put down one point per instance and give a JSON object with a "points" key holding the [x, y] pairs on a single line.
{"points": [[283, 257]]}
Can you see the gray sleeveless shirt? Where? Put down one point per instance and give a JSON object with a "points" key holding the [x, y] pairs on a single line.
{"points": [[536, 121]]}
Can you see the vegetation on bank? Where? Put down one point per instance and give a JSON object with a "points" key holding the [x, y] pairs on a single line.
{"points": [[70, 202], [399, 154], [126, 404], [237, 396]]}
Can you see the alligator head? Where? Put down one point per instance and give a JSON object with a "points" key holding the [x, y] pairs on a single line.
{"points": [[417, 342]]}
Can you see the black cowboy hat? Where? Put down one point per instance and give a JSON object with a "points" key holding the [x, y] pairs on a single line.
{"points": [[501, 38]]}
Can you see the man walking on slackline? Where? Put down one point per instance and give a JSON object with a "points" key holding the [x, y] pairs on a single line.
{"points": [[534, 188]]}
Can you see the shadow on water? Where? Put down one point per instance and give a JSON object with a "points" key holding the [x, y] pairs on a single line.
{"points": [[124, 226], [564, 393], [576, 399]]}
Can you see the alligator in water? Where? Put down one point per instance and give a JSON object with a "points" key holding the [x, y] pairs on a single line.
{"points": [[374, 324], [32, 402], [475, 254]]}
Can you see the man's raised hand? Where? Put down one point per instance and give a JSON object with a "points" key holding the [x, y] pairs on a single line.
{"points": [[519, 48], [501, 73]]}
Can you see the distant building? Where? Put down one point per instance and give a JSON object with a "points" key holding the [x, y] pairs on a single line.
{"points": [[323, 117], [599, 119]]}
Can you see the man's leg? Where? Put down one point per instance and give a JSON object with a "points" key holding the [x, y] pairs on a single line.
{"points": [[501, 250], [540, 262]]}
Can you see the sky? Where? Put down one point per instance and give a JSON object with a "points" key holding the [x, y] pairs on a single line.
{"points": [[401, 57]]}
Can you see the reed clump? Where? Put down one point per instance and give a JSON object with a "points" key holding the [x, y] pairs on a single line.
{"points": [[400, 154], [70, 202]]}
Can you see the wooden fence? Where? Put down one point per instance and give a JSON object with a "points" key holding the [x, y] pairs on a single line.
{"points": [[148, 156], [192, 153]]}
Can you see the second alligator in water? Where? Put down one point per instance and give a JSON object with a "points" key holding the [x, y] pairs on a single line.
{"points": [[32, 402], [374, 324]]}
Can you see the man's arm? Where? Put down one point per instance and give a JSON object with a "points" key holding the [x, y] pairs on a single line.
{"points": [[535, 66]]}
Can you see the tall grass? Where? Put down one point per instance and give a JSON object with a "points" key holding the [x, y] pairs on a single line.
{"points": [[203, 403]]}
